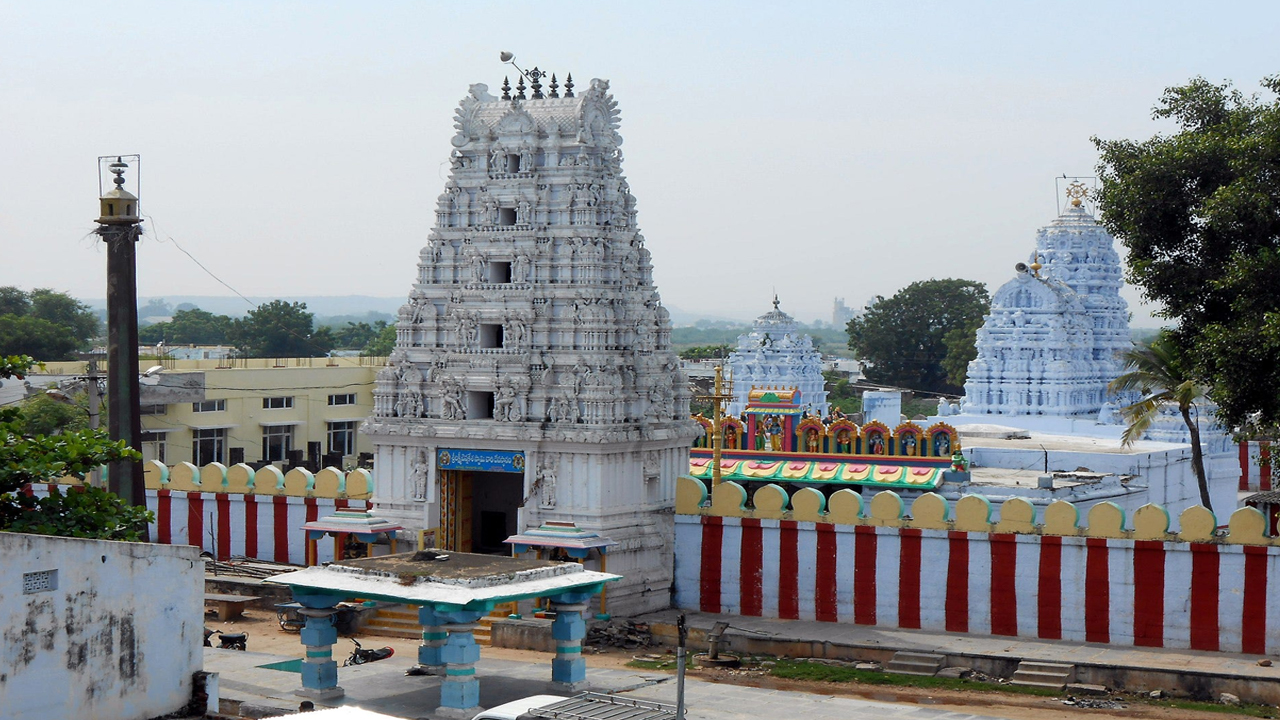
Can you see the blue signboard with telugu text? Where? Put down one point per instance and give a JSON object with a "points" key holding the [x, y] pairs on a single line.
{"points": [[482, 460]]}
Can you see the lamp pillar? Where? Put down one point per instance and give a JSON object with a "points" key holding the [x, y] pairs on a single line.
{"points": [[118, 226]]}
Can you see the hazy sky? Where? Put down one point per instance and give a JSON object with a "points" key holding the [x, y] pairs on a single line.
{"points": [[822, 149]]}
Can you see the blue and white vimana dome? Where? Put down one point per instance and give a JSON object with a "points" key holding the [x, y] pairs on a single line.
{"points": [[1056, 332], [776, 356]]}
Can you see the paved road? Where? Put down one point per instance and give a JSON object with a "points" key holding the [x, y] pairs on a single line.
{"points": [[382, 687]]}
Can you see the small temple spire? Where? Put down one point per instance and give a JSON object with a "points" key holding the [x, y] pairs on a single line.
{"points": [[535, 84], [775, 301], [554, 86], [568, 85], [520, 88], [506, 88]]}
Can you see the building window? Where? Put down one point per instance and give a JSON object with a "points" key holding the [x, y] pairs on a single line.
{"points": [[277, 403], [277, 441], [343, 399], [479, 405], [342, 437], [506, 216], [152, 409], [490, 335], [499, 272], [208, 445], [513, 163], [153, 446], [209, 406]]}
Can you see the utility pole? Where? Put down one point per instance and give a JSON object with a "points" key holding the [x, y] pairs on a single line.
{"points": [[118, 226]]}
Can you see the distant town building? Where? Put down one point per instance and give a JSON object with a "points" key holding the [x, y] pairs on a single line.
{"points": [[775, 355], [841, 314]]}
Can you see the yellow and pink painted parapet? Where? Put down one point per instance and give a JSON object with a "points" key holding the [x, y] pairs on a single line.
{"points": [[1101, 578], [244, 480], [972, 513]]}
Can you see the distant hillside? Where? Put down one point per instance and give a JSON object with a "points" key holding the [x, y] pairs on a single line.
{"points": [[320, 305]]}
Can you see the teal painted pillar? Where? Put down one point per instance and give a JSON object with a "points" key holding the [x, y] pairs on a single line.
{"points": [[568, 668], [433, 638], [460, 691], [319, 671]]}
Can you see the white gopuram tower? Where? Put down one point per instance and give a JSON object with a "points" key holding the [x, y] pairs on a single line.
{"points": [[1056, 333], [775, 355], [533, 378]]}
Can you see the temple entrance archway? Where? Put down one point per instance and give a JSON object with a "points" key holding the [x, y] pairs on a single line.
{"points": [[481, 493]]}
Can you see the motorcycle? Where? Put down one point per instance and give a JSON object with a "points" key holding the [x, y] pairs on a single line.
{"points": [[362, 655], [227, 641]]}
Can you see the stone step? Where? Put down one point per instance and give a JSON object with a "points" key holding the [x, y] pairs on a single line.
{"points": [[1033, 673], [915, 663]]}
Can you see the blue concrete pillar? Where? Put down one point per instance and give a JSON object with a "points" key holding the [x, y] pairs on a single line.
{"points": [[319, 671], [433, 638], [460, 691], [568, 669]]}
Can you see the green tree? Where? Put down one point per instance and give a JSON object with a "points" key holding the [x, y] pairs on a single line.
{"points": [[43, 415], [962, 347], [27, 458], [1160, 374], [1199, 211], [355, 335], [706, 352], [383, 344], [44, 323], [188, 327], [279, 329], [902, 340]]}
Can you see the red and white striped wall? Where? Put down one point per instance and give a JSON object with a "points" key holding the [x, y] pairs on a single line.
{"points": [[267, 527], [1124, 592]]}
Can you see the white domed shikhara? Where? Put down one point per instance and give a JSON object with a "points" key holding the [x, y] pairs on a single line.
{"points": [[775, 355], [1054, 338]]}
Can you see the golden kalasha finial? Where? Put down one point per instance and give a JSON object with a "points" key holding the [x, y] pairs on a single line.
{"points": [[1035, 266], [1077, 191]]}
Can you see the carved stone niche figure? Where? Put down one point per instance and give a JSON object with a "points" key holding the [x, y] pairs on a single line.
{"points": [[520, 268], [505, 405], [547, 483], [497, 160], [418, 477], [451, 398]]}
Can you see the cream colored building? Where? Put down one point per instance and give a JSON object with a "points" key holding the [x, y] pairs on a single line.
{"points": [[260, 410]]}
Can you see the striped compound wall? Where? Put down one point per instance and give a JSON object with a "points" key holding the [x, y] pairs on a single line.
{"points": [[1059, 578], [237, 511]]}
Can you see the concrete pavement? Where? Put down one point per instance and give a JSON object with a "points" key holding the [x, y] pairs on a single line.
{"points": [[383, 687]]}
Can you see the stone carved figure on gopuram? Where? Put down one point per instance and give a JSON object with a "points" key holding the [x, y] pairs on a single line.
{"points": [[1056, 332]]}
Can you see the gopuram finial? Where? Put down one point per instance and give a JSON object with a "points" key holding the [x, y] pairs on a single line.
{"points": [[506, 88], [568, 85], [535, 76], [520, 88], [775, 301], [1077, 191], [553, 92]]}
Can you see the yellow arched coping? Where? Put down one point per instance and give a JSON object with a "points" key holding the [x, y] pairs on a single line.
{"points": [[1151, 522], [807, 505], [213, 478], [1106, 520], [729, 500], [691, 495], [68, 480], [973, 514], [886, 509], [154, 474], [298, 482], [930, 512], [358, 485], [1198, 524], [184, 476], [328, 483], [1247, 526], [240, 479], [268, 480], [770, 502], [1017, 515], [844, 507], [1061, 518]]}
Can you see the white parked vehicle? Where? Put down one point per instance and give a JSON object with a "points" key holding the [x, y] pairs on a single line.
{"points": [[587, 706]]}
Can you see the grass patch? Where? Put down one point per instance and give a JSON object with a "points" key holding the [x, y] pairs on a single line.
{"points": [[666, 664], [1258, 711], [819, 672]]}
